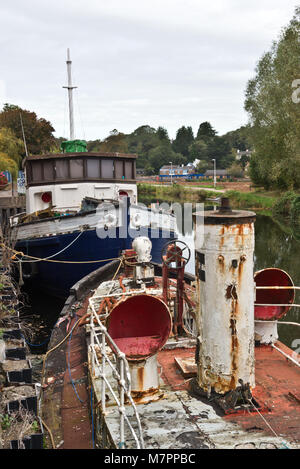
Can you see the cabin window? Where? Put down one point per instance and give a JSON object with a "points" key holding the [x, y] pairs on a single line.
{"points": [[93, 168], [28, 171], [48, 170], [76, 169], [128, 170], [62, 169], [107, 169], [37, 170], [119, 169]]}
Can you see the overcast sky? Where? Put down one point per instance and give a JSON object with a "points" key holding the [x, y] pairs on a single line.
{"points": [[160, 62]]}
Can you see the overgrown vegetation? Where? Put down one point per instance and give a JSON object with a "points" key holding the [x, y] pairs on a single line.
{"points": [[288, 206], [251, 200], [16, 426], [272, 101], [174, 193], [38, 131]]}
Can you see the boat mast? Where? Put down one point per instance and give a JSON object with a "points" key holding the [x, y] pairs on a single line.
{"points": [[70, 93]]}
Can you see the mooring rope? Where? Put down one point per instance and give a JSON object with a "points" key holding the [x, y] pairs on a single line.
{"points": [[268, 425], [55, 260], [56, 254]]}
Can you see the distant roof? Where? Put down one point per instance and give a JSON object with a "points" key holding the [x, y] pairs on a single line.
{"points": [[175, 167], [219, 172]]}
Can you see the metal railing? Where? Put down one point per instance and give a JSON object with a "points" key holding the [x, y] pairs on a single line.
{"points": [[100, 339], [275, 287]]}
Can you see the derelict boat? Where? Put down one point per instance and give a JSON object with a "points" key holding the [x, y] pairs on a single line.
{"points": [[175, 363], [81, 208]]}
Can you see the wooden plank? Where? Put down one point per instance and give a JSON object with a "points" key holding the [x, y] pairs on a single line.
{"points": [[187, 366]]}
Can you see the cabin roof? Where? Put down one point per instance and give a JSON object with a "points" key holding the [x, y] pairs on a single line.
{"points": [[48, 156]]}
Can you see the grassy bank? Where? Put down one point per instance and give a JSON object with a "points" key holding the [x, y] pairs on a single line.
{"points": [[180, 193], [252, 200], [175, 193], [276, 204]]}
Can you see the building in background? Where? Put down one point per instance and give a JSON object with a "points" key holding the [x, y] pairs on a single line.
{"points": [[177, 170], [220, 174], [189, 172], [239, 154]]}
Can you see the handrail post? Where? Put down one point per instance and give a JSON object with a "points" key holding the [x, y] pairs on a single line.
{"points": [[99, 338], [122, 402], [103, 371], [92, 335]]}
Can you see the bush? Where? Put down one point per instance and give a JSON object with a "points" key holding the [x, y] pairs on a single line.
{"points": [[235, 171], [295, 210], [249, 200], [283, 206]]}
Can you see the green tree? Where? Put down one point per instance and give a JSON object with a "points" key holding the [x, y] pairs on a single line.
{"points": [[115, 142], [273, 114], [235, 170], [38, 131], [184, 138], [11, 146], [162, 155], [7, 164], [245, 159], [198, 150], [141, 141], [94, 145], [162, 134], [219, 149], [240, 139], [205, 131], [202, 166]]}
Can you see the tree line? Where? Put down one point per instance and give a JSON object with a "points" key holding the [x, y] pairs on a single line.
{"points": [[155, 148]]}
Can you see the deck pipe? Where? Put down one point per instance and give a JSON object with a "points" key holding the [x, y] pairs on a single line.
{"points": [[225, 289]]}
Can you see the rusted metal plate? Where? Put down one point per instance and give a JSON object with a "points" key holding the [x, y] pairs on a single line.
{"points": [[187, 366], [277, 389], [137, 348]]}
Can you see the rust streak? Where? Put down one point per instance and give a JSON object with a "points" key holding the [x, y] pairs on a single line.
{"points": [[234, 343], [140, 374]]}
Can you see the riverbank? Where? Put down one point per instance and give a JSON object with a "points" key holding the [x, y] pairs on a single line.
{"points": [[175, 193], [273, 203]]}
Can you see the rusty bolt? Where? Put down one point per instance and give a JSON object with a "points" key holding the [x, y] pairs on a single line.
{"points": [[243, 258], [221, 259]]}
